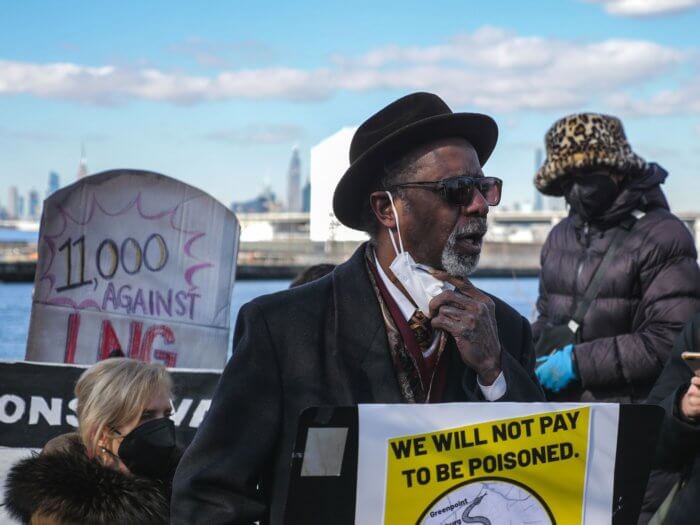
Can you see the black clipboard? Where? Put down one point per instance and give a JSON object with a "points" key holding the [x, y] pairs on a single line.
{"points": [[331, 498]]}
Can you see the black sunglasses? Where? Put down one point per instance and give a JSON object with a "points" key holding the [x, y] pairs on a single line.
{"points": [[459, 191]]}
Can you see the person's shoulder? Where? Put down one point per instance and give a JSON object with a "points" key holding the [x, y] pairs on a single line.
{"points": [[311, 295], [566, 223], [52, 485], [69, 443], [665, 234], [560, 233], [303, 292], [663, 217]]}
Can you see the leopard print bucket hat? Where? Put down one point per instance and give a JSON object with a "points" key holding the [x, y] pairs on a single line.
{"points": [[582, 142]]}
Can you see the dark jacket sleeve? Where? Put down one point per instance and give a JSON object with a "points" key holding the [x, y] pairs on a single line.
{"points": [[669, 280], [517, 364], [519, 371], [679, 440], [217, 480]]}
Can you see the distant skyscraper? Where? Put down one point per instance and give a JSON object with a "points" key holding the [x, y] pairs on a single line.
{"points": [[294, 182], [20, 207], [54, 183], [12, 203], [82, 168], [306, 197], [539, 201], [34, 205]]}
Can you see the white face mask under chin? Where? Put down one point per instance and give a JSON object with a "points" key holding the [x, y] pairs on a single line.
{"points": [[416, 278]]}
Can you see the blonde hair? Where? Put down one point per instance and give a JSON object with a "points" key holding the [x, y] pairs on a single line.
{"points": [[113, 393]]}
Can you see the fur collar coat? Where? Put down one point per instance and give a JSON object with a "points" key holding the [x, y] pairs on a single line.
{"points": [[63, 486]]}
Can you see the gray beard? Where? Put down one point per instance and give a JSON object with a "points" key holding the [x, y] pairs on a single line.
{"points": [[461, 265]]}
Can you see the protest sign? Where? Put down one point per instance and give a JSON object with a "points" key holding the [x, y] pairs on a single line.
{"points": [[486, 463], [526, 469], [137, 263]]}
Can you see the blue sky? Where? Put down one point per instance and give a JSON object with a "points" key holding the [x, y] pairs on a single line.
{"points": [[216, 94]]}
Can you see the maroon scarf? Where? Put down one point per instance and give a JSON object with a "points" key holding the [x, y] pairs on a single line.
{"points": [[421, 380]]}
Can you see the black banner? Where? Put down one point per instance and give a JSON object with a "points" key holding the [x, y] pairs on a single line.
{"points": [[37, 402]]}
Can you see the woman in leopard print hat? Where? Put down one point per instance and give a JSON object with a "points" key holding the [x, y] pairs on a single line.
{"points": [[647, 293], [585, 142]]}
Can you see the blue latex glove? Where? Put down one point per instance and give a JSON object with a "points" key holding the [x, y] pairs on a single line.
{"points": [[556, 370]]}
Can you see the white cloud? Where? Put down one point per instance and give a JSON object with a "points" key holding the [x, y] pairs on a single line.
{"points": [[261, 134], [641, 8], [112, 85], [495, 69], [490, 69], [683, 100]]}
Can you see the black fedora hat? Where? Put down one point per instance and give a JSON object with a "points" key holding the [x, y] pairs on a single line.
{"points": [[409, 122]]}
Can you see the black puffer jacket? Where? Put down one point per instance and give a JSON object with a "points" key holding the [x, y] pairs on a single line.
{"points": [[65, 487], [651, 290]]}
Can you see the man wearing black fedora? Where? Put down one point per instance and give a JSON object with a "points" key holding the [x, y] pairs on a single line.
{"points": [[399, 322]]}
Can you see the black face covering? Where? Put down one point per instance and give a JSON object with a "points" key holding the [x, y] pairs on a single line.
{"points": [[592, 195], [149, 449]]}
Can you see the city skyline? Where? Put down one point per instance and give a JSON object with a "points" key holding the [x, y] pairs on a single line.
{"points": [[218, 97], [14, 207], [298, 195]]}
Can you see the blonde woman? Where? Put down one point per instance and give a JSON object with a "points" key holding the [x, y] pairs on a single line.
{"points": [[118, 467]]}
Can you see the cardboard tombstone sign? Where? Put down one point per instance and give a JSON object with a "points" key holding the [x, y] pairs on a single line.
{"points": [[134, 263]]}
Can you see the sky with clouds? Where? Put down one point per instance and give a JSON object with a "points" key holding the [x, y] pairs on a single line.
{"points": [[217, 94]]}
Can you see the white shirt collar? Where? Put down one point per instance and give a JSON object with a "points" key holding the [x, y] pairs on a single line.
{"points": [[404, 303]]}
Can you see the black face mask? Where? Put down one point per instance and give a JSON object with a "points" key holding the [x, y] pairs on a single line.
{"points": [[592, 195], [149, 450]]}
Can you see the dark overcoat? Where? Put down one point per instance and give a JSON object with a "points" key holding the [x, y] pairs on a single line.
{"points": [[320, 344], [679, 442]]}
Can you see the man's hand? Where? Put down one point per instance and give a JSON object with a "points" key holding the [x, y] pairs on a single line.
{"points": [[690, 402], [469, 316]]}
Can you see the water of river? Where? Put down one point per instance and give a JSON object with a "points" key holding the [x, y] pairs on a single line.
{"points": [[15, 305]]}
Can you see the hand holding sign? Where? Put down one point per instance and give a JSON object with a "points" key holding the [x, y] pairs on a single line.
{"points": [[469, 316]]}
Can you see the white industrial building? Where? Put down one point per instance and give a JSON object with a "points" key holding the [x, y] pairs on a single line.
{"points": [[329, 160]]}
